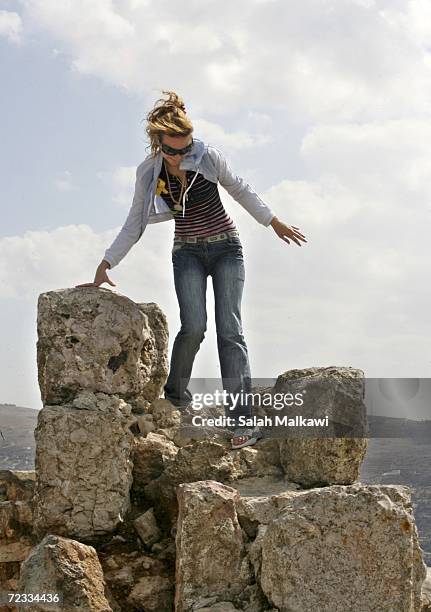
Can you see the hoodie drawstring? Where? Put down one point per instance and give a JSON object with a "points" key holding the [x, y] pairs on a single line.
{"points": [[185, 193]]}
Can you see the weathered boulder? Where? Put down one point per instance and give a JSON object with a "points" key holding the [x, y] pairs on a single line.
{"points": [[323, 455], [314, 462], [355, 547], [147, 528], [151, 456], [211, 552], [154, 354], [95, 339], [333, 548], [69, 569], [83, 466]]}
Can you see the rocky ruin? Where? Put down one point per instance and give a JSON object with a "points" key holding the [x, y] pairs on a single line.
{"points": [[126, 510]]}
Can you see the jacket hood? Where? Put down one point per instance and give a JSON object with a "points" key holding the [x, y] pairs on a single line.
{"points": [[189, 162]]}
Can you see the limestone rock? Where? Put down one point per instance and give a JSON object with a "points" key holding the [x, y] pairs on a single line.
{"points": [[151, 456], [83, 466], [65, 566], [16, 519], [211, 552], [261, 499], [322, 461], [324, 455], [354, 547], [123, 572], [154, 351], [426, 592], [145, 423], [147, 528], [164, 414], [12, 552], [152, 594], [209, 459], [17, 485], [95, 339]]}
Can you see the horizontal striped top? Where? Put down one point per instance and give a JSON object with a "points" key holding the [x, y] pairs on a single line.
{"points": [[204, 214]]}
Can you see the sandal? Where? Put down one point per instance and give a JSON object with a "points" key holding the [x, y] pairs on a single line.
{"points": [[253, 434]]}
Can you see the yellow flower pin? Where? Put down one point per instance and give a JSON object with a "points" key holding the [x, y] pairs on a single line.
{"points": [[161, 187]]}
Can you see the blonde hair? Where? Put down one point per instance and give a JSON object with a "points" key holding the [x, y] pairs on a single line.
{"points": [[167, 117]]}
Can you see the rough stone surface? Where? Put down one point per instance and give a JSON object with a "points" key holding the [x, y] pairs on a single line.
{"points": [[12, 552], [16, 524], [426, 592], [147, 528], [208, 459], [152, 594], [211, 551], [355, 547], [16, 519], [151, 456], [17, 485], [315, 462], [95, 339], [83, 466], [65, 565], [324, 455], [154, 354]]}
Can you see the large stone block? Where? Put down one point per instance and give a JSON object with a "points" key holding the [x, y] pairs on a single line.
{"points": [[330, 454], [84, 466], [339, 548], [92, 338], [68, 568], [211, 553]]}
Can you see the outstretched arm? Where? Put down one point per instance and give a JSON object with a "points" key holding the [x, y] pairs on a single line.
{"points": [[129, 234], [244, 194]]}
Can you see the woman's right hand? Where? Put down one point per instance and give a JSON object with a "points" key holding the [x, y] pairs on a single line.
{"points": [[100, 276]]}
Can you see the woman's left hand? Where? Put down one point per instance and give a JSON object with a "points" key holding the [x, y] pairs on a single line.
{"points": [[287, 231]]}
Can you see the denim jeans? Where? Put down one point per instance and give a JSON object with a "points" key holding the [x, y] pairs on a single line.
{"points": [[192, 263]]}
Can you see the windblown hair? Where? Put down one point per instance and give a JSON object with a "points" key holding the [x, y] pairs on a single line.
{"points": [[167, 117]]}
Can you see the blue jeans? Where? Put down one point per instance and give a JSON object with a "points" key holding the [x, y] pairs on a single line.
{"points": [[192, 263]]}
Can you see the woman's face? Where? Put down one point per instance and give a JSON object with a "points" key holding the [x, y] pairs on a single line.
{"points": [[176, 142]]}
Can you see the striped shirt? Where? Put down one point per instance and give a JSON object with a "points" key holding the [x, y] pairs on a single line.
{"points": [[204, 214]]}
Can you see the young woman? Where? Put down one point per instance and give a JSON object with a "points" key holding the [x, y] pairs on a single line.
{"points": [[179, 180]]}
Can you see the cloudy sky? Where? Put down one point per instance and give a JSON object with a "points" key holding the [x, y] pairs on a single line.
{"points": [[323, 106]]}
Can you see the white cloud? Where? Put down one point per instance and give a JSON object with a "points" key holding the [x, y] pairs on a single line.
{"points": [[229, 139], [324, 61], [386, 164], [10, 26]]}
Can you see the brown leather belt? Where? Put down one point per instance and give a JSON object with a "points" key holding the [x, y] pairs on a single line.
{"points": [[221, 236]]}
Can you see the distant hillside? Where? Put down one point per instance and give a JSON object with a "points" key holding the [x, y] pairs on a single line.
{"points": [[17, 444]]}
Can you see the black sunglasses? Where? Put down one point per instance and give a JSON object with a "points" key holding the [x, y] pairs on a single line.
{"points": [[171, 151]]}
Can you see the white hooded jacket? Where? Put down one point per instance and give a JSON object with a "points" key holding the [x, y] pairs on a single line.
{"points": [[148, 207]]}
